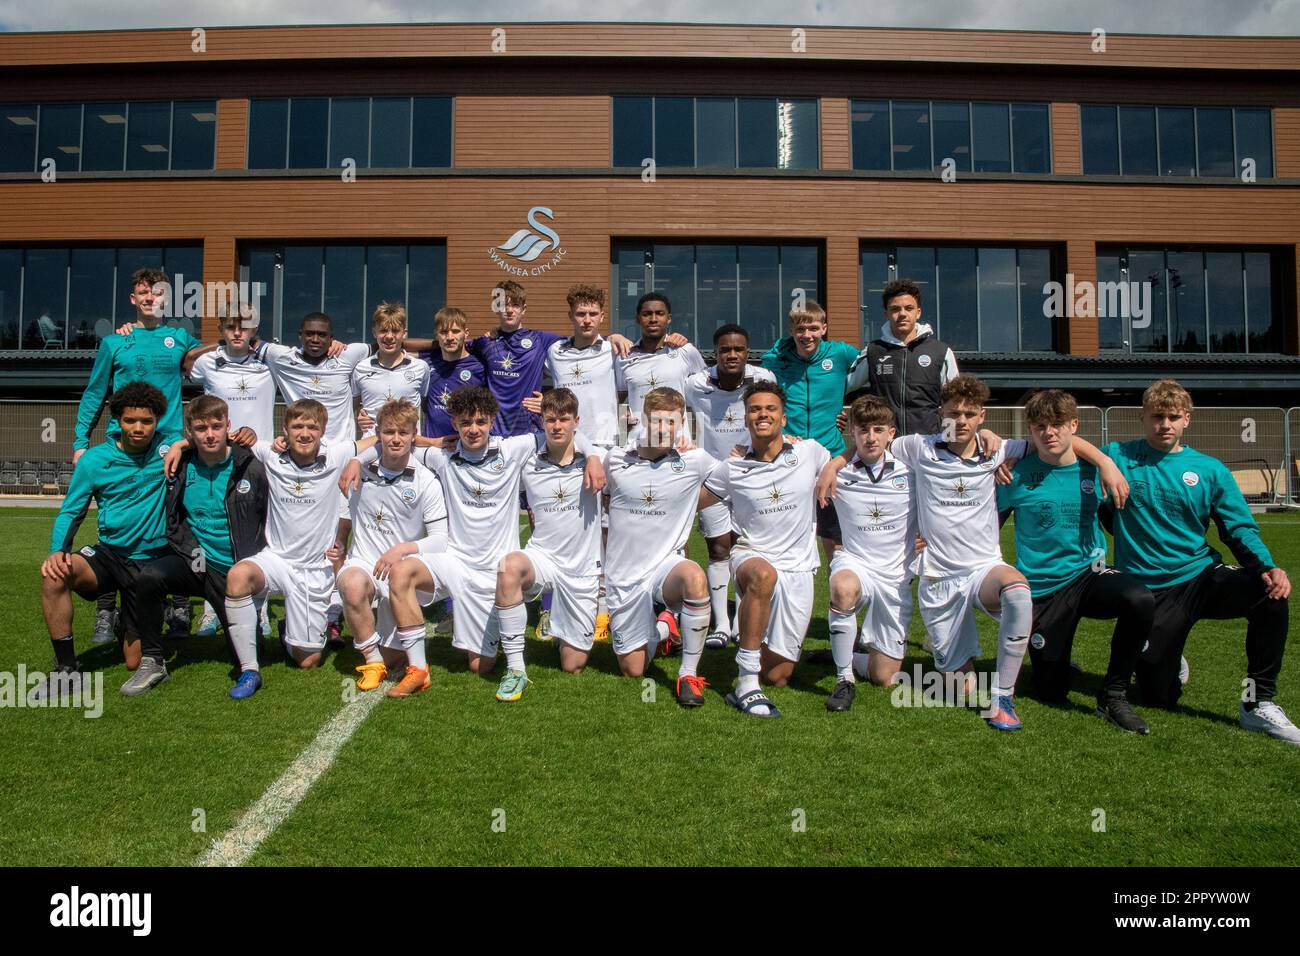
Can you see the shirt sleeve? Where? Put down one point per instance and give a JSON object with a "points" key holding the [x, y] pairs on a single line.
{"points": [[354, 353], [476, 347], [272, 352], [620, 380], [73, 510], [1013, 448], [354, 381], [694, 360], [432, 458], [718, 478], [907, 449], [859, 372], [426, 375], [92, 399], [820, 453], [949, 371], [846, 353], [199, 370], [769, 357], [339, 454], [188, 339], [1237, 528], [262, 451]]}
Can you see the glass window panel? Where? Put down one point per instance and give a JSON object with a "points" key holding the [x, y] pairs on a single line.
{"points": [[427, 287], [1035, 327], [991, 135], [345, 296], [1177, 141], [715, 290], [1261, 319], [674, 275], [1149, 267], [911, 134], [874, 267], [431, 132], [148, 135], [1110, 328], [800, 269], [385, 280], [103, 137], [870, 121], [194, 134], [999, 309], [633, 130], [183, 265], [760, 294], [797, 141], [952, 134], [1255, 140], [11, 272], [674, 131], [958, 300], [715, 131], [258, 268], [630, 277], [61, 136], [1224, 295], [268, 134], [309, 118], [350, 130], [1137, 135], [45, 298], [301, 288], [917, 263], [1100, 141], [1187, 301], [756, 129], [90, 294], [1031, 138], [1214, 142], [17, 139], [390, 132]]}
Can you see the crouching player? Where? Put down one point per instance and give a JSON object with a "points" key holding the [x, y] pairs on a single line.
{"points": [[125, 477], [771, 491], [216, 512], [302, 517], [1160, 540], [480, 475], [654, 493], [563, 553], [874, 501], [396, 511], [1061, 551]]}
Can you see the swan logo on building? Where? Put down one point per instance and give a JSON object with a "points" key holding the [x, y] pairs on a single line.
{"points": [[538, 244]]}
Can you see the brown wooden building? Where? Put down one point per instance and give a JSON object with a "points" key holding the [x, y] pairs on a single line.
{"points": [[727, 165]]}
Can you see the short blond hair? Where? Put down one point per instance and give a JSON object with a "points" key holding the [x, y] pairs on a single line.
{"points": [[663, 399], [307, 408], [1166, 395], [400, 413], [448, 316], [389, 316], [812, 311]]}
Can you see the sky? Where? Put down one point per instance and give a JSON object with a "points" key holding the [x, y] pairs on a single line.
{"points": [[1213, 17]]}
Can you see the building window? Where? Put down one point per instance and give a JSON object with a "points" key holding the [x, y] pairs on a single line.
{"points": [[1189, 300], [57, 297], [345, 280], [923, 135], [1212, 142], [717, 132], [712, 284], [109, 136], [976, 298], [374, 132]]}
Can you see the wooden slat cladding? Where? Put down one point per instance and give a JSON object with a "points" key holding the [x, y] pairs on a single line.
{"points": [[837, 149], [1286, 141], [568, 40], [232, 133], [1067, 141], [1081, 262], [540, 131]]}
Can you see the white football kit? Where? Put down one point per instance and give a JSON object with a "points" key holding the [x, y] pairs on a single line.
{"points": [[957, 514], [328, 382], [774, 510], [589, 374], [301, 525], [245, 386], [376, 384], [878, 524], [638, 373], [651, 507]]}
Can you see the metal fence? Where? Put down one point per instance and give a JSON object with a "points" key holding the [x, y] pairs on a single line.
{"points": [[1260, 445]]}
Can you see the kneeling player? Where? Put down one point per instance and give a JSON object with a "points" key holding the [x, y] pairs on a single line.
{"points": [[1061, 551], [654, 492], [774, 556], [563, 553], [874, 502], [398, 510], [1160, 540]]}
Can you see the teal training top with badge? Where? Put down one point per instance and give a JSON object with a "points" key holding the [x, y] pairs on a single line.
{"points": [[1173, 497], [205, 506], [814, 388], [1058, 536], [129, 492], [145, 355]]}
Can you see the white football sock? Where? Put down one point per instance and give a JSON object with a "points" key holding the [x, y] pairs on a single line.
{"points": [[369, 648], [843, 629], [513, 621], [695, 627], [719, 575], [412, 641], [1014, 623], [242, 617]]}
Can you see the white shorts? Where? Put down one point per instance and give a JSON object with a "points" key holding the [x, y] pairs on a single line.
{"points": [[888, 606], [474, 627], [715, 520], [632, 606], [306, 590], [573, 604], [948, 609], [792, 603]]}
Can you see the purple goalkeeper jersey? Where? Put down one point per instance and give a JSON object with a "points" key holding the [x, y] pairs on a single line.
{"points": [[515, 362], [444, 378]]}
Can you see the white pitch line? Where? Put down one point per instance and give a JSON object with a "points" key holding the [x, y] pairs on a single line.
{"points": [[274, 806]]}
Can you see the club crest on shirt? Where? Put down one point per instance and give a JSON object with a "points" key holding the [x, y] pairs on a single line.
{"points": [[412, 375], [526, 343], [498, 464], [1087, 486], [789, 457], [163, 449], [827, 365], [169, 342], [244, 486], [899, 482], [923, 361], [465, 375], [678, 465], [1191, 479], [1038, 642], [408, 496]]}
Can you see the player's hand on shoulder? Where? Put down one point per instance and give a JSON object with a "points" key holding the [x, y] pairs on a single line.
{"points": [[365, 421], [126, 328], [76, 456], [684, 442], [1276, 584], [336, 348], [172, 460], [991, 441], [244, 437], [280, 445], [826, 484], [738, 451], [593, 475], [676, 340], [350, 477], [1003, 475], [1113, 483], [619, 344], [533, 403]]}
